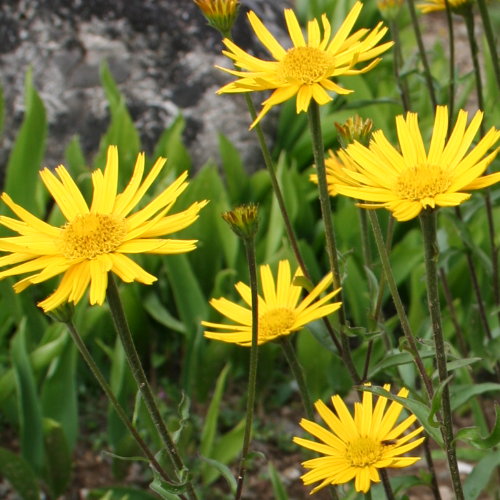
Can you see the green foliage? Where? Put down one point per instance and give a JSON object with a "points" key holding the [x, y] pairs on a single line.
{"points": [[21, 177], [201, 385]]}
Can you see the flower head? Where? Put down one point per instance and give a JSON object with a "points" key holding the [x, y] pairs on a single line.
{"points": [[354, 129], [307, 68], [336, 166], [95, 239], [434, 5], [389, 8], [220, 14], [354, 448], [280, 312], [413, 180], [243, 220]]}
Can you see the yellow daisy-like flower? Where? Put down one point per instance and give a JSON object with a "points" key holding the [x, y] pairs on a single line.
{"points": [[355, 448], [336, 166], [306, 69], [279, 310], [95, 240], [412, 180], [436, 5]]}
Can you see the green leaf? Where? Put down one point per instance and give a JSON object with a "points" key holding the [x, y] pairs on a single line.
{"points": [[189, 298], [236, 177], [30, 412], [121, 131], [477, 480], [171, 146], [224, 471], [165, 489], [209, 430], [395, 358], [227, 448], [161, 314], [473, 434], [436, 402], [61, 379], [278, 488], [119, 493], [460, 394], [58, 457], [19, 474], [22, 181], [39, 359], [458, 363], [419, 409]]}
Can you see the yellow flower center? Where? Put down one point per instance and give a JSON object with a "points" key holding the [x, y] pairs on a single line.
{"points": [[91, 235], [422, 181], [305, 65], [275, 322], [364, 451]]}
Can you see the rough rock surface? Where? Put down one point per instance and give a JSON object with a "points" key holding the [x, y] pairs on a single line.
{"points": [[161, 53]]}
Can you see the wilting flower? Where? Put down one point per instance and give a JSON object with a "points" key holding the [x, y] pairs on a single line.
{"points": [[434, 5], [307, 68], [95, 240], [220, 14], [355, 448], [280, 312], [413, 180]]}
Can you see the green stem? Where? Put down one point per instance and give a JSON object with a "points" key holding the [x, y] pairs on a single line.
{"points": [[298, 373], [387, 485], [469, 23], [468, 16], [331, 246], [403, 318], [432, 469], [123, 330], [451, 87], [254, 351], [77, 339], [431, 251], [490, 38], [423, 55], [377, 310], [398, 62], [292, 238]]}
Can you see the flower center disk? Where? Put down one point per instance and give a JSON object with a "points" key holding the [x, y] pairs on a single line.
{"points": [[422, 181], [306, 65], [364, 451], [275, 322], [90, 235]]}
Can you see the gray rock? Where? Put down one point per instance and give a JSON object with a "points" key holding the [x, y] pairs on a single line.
{"points": [[161, 53]]}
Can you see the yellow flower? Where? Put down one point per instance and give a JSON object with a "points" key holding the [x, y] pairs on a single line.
{"points": [[94, 240], [220, 14], [279, 311], [435, 5], [336, 166], [354, 448], [409, 181], [306, 69]]}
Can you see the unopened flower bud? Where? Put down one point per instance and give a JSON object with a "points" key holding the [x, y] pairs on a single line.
{"points": [[220, 14], [243, 220], [355, 129]]}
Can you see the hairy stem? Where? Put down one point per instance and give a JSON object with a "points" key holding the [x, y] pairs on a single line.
{"points": [[431, 252], [123, 330], [331, 246], [252, 375]]}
